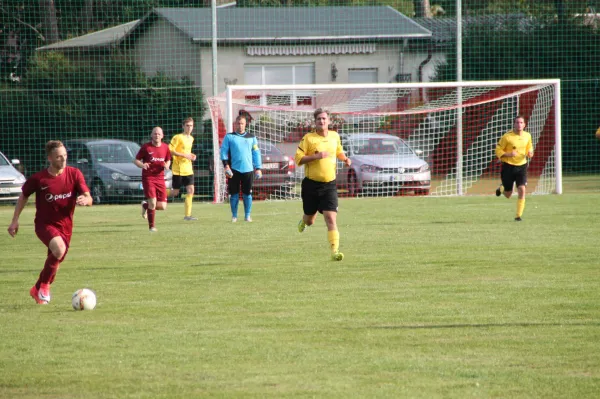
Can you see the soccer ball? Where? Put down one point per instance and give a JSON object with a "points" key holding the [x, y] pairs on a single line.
{"points": [[84, 299]]}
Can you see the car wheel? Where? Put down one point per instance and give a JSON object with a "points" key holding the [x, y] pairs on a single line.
{"points": [[98, 193], [353, 187], [422, 192]]}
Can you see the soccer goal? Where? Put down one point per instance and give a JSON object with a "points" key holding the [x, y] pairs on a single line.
{"points": [[403, 139]]}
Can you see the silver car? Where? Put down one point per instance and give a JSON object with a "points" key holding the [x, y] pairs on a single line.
{"points": [[383, 165], [11, 180], [108, 168]]}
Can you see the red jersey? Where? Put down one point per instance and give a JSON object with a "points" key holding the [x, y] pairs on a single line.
{"points": [[56, 197], [156, 157]]}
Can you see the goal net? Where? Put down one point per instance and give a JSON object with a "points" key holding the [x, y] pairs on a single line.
{"points": [[403, 139]]}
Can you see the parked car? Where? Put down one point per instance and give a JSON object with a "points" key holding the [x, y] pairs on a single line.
{"points": [[277, 170], [108, 168], [11, 180], [383, 164]]}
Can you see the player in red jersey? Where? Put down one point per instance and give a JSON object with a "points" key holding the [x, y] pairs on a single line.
{"points": [[58, 189], [154, 157]]}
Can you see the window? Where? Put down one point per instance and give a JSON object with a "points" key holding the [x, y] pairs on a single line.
{"points": [[280, 75], [362, 75]]}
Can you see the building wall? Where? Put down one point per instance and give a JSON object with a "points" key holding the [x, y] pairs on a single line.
{"points": [[165, 49]]}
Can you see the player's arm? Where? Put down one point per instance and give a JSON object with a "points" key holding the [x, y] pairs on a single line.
{"points": [[138, 161], [341, 155], [501, 153], [529, 149], [13, 227], [301, 158], [174, 148], [85, 199], [140, 164], [256, 158]]}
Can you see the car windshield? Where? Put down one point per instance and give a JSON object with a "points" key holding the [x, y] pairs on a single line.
{"points": [[268, 149], [379, 146], [3, 160], [114, 152]]}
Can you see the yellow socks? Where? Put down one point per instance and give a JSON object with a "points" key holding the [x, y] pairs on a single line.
{"points": [[520, 207], [188, 204], [333, 236]]}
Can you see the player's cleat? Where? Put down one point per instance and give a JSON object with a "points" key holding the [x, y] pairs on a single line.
{"points": [[153, 229], [44, 292], [145, 209], [36, 296], [301, 226], [189, 218], [233, 220], [498, 191], [337, 256], [248, 219], [518, 219]]}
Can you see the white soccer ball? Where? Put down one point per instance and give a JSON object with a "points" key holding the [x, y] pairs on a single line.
{"points": [[84, 299]]}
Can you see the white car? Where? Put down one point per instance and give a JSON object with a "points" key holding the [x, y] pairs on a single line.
{"points": [[11, 180], [382, 164]]}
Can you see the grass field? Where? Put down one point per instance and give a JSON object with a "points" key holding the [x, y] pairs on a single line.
{"points": [[436, 298]]}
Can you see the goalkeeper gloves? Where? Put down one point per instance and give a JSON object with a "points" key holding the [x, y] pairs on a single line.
{"points": [[229, 173], [258, 174]]}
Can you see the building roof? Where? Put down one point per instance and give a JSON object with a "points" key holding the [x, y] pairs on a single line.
{"points": [[101, 39], [268, 24], [263, 25]]}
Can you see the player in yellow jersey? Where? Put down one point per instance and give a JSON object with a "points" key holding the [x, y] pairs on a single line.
{"points": [[183, 172], [318, 151], [514, 149]]}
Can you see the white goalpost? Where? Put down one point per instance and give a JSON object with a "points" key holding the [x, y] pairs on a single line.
{"points": [[402, 137]]}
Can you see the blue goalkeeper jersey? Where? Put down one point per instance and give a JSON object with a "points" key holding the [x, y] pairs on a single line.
{"points": [[241, 152]]}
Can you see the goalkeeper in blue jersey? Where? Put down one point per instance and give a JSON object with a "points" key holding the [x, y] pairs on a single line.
{"points": [[242, 162]]}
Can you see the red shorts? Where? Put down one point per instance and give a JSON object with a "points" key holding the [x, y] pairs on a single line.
{"points": [[47, 233], [155, 189]]}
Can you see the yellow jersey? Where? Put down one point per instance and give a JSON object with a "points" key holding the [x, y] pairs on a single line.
{"points": [[182, 143], [512, 141], [324, 169]]}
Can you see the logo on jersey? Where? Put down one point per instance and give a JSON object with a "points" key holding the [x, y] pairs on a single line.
{"points": [[154, 159], [51, 197]]}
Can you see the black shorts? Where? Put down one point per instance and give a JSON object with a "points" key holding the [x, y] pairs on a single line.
{"points": [[511, 174], [179, 181], [246, 180], [319, 196]]}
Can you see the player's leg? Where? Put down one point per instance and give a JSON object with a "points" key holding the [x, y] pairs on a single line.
{"points": [[161, 196], [247, 179], [310, 204], [189, 197], [152, 214], [175, 186], [233, 187], [507, 175], [521, 181], [58, 247], [150, 194], [328, 205]]}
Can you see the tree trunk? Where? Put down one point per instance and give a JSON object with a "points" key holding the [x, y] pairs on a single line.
{"points": [[560, 10], [87, 15], [422, 8], [50, 23]]}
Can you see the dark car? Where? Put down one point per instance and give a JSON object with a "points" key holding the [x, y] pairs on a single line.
{"points": [[108, 168], [277, 170]]}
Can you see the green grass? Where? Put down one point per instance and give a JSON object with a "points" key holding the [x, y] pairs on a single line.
{"points": [[436, 298]]}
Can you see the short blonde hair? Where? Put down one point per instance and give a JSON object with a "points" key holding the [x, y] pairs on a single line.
{"points": [[319, 111], [53, 145]]}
